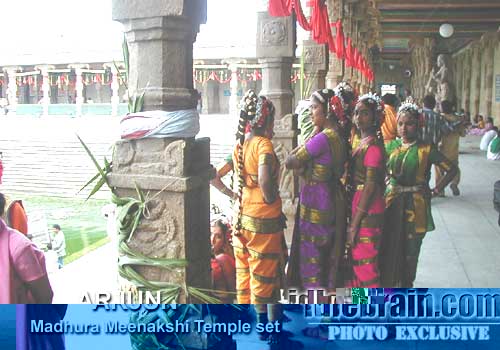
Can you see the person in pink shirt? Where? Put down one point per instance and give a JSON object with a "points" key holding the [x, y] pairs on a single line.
{"points": [[23, 275]]}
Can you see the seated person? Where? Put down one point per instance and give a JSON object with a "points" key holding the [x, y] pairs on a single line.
{"points": [[494, 148], [480, 128], [487, 137], [223, 263]]}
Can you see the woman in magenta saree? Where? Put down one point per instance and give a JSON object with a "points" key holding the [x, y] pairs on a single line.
{"points": [[321, 215], [368, 176]]}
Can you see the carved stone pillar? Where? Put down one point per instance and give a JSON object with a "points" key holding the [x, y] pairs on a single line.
{"points": [[12, 86], [466, 81], [335, 66], [233, 85], [475, 79], [315, 64], [115, 88], [79, 86], [275, 52], [348, 31], [45, 87], [176, 172], [488, 52], [160, 35]]}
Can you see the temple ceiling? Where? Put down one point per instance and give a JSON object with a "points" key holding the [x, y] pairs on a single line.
{"points": [[403, 23]]}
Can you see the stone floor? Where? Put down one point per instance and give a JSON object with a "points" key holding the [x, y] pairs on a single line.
{"points": [[463, 250]]}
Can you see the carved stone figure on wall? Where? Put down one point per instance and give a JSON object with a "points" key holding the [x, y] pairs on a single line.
{"points": [[444, 80]]}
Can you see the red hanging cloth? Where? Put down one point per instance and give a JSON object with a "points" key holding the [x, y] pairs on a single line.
{"points": [[301, 18], [348, 54], [355, 58], [280, 8], [360, 61]]}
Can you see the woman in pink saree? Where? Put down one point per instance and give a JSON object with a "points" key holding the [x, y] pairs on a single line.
{"points": [[368, 177], [23, 276]]}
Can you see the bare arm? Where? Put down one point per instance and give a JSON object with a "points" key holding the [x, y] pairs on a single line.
{"points": [[41, 290], [266, 184], [292, 162], [217, 181], [298, 158]]}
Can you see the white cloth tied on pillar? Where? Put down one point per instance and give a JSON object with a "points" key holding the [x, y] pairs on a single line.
{"points": [[158, 124]]}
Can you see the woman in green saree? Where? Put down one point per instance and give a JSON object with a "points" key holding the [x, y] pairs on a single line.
{"points": [[408, 199]]}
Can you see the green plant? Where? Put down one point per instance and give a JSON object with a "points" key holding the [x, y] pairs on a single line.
{"points": [[135, 102], [130, 213]]}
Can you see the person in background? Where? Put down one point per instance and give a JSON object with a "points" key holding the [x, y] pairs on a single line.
{"points": [[487, 137], [59, 244], [431, 128], [494, 148], [478, 129], [223, 264], [450, 143], [389, 126], [23, 275], [14, 213]]}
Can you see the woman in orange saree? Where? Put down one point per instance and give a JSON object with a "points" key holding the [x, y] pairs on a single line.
{"points": [[259, 243]]}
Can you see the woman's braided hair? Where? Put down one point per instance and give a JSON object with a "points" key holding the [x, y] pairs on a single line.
{"points": [[348, 98], [247, 113], [256, 113]]}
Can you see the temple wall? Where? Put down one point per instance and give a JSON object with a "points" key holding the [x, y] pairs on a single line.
{"points": [[478, 71]]}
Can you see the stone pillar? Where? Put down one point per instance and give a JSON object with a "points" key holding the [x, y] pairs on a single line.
{"points": [[233, 85], [335, 66], [475, 80], [315, 65], [487, 53], [12, 86], [160, 34], [275, 52], [79, 86], [115, 88], [45, 87], [467, 64]]}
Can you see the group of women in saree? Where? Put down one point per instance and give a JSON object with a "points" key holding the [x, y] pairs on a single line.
{"points": [[364, 207]]}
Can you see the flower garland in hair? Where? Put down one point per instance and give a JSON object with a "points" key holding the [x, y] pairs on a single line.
{"points": [[264, 111], [343, 89], [372, 99], [375, 102], [409, 107], [336, 104]]}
